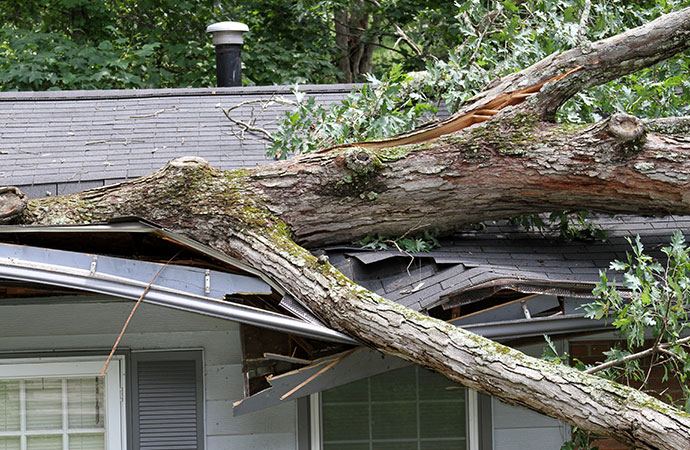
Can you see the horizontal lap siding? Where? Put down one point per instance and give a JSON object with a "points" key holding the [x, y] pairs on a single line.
{"points": [[45, 327]]}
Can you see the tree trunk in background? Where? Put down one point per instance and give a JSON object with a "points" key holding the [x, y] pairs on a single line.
{"points": [[354, 38]]}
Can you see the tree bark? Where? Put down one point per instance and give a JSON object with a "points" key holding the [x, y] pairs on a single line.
{"points": [[516, 162]]}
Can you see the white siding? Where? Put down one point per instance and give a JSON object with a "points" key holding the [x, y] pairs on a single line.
{"points": [[519, 428], [85, 326]]}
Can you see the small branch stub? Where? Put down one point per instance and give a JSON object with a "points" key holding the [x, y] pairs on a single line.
{"points": [[626, 128], [12, 203], [361, 161]]}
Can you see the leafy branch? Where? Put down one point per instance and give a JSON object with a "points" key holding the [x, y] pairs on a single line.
{"points": [[421, 242], [656, 301]]}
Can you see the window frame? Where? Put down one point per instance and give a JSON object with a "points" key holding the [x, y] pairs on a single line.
{"points": [[477, 421], [66, 367]]}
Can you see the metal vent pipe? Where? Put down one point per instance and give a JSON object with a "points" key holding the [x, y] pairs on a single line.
{"points": [[227, 37]]}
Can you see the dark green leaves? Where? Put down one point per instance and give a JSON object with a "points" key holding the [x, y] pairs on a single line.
{"points": [[651, 310]]}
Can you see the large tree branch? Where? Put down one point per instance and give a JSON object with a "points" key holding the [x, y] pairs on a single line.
{"points": [[606, 60], [558, 77], [221, 210], [499, 169]]}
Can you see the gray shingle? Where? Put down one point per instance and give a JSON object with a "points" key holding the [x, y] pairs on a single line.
{"points": [[66, 136], [507, 253]]}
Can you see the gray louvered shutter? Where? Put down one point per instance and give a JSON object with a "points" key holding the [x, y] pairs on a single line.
{"points": [[168, 410]]}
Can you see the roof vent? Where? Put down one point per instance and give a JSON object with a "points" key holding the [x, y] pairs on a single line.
{"points": [[227, 37]]}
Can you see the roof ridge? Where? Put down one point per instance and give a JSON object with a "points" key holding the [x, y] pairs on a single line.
{"points": [[116, 94]]}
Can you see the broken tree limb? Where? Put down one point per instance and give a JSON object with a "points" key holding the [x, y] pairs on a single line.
{"points": [[313, 377], [502, 168], [12, 203]]}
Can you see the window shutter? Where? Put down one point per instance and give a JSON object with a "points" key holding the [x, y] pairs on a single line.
{"points": [[168, 413]]}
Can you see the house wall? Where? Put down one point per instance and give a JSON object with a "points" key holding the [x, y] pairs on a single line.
{"points": [[519, 428], [95, 325]]}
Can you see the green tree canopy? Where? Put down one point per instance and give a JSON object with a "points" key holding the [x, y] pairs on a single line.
{"points": [[107, 44]]}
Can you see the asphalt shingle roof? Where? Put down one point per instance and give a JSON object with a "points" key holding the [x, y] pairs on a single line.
{"points": [[67, 141], [500, 253]]}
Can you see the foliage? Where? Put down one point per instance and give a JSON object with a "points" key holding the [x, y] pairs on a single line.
{"points": [[99, 44], [47, 61], [571, 225], [658, 303], [654, 307], [162, 43], [496, 38], [581, 440], [371, 111], [80, 44], [425, 241]]}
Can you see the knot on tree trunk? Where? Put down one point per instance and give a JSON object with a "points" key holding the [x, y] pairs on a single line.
{"points": [[361, 161], [626, 128], [189, 162], [12, 203]]}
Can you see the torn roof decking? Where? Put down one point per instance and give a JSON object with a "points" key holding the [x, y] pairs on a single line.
{"points": [[501, 255], [68, 141]]}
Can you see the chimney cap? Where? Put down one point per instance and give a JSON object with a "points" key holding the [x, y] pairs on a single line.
{"points": [[227, 32]]}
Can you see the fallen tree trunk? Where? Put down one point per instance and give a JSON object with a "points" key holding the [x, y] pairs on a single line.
{"points": [[509, 165], [515, 162]]}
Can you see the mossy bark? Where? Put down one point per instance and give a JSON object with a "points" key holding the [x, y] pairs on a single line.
{"points": [[505, 167]]}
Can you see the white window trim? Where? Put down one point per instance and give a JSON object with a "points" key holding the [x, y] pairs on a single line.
{"points": [[115, 431], [315, 421]]}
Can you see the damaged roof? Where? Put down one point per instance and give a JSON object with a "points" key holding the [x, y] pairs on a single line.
{"points": [[473, 265], [62, 142]]}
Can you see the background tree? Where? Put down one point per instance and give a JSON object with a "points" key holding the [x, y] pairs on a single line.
{"points": [[105, 44]]}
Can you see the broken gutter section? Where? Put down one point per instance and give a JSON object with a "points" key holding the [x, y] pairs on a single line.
{"points": [[137, 226], [184, 288], [536, 327]]}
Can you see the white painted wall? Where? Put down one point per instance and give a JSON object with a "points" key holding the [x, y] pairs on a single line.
{"points": [[93, 325], [519, 428]]}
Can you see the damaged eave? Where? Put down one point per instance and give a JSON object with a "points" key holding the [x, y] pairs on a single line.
{"points": [[137, 225], [191, 289], [343, 368]]}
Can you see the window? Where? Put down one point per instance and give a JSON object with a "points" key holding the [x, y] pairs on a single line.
{"points": [[409, 408], [60, 404]]}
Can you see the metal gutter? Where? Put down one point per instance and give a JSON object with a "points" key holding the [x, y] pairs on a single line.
{"points": [[512, 329], [136, 225], [128, 279]]}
